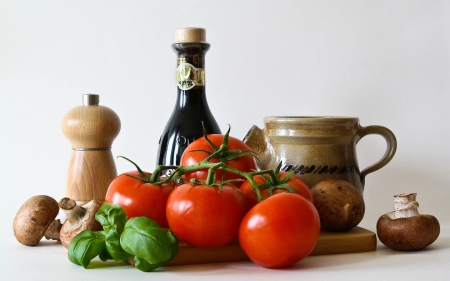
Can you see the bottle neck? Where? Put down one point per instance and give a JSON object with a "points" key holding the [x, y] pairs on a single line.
{"points": [[192, 53], [192, 98], [190, 65]]}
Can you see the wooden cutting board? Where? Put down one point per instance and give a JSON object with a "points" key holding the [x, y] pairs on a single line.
{"points": [[355, 240]]}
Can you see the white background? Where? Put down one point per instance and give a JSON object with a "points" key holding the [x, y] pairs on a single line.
{"points": [[386, 62]]}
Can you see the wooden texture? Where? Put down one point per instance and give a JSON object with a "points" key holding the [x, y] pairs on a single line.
{"points": [[92, 126], [91, 130], [355, 240], [89, 175]]}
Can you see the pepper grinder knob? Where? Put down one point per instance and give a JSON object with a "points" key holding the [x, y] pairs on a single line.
{"points": [[91, 130]]}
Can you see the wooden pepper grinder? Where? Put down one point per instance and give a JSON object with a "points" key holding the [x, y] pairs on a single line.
{"points": [[91, 130]]}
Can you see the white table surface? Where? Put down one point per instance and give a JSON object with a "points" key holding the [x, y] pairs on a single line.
{"points": [[48, 261]]}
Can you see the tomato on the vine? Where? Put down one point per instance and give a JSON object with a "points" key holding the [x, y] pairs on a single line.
{"points": [[280, 230], [140, 198], [297, 184], [195, 153], [206, 216]]}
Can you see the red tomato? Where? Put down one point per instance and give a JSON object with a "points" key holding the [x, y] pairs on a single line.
{"points": [[243, 164], [205, 216], [139, 198], [295, 182], [280, 230]]}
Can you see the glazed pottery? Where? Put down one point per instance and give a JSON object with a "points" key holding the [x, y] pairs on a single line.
{"points": [[317, 148]]}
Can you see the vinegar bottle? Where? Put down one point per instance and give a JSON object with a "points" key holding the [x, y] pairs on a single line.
{"points": [[191, 108]]}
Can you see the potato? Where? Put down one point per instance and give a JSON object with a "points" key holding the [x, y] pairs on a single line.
{"points": [[340, 205]]}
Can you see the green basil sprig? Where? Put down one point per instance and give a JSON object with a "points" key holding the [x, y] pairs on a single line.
{"points": [[151, 246], [141, 237]]}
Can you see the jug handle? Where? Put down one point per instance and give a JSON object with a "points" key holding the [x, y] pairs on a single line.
{"points": [[391, 143]]}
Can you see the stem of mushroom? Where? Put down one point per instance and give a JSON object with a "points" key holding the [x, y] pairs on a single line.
{"points": [[405, 206]]}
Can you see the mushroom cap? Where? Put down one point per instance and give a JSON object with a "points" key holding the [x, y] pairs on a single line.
{"points": [[33, 219], [408, 234]]}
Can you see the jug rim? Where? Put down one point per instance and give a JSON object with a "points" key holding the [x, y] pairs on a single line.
{"points": [[309, 119]]}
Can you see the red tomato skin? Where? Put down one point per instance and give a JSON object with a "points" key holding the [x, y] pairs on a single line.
{"points": [[294, 181], [139, 198], [280, 231], [244, 164], [203, 216]]}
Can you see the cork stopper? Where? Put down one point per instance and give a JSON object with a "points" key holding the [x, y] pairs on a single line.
{"points": [[190, 35]]}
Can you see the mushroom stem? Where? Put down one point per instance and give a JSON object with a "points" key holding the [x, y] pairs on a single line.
{"points": [[78, 218], [75, 214], [405, 206]]}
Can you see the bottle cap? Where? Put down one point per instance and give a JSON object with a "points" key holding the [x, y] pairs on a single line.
{"points": [[190, 34], [91, 99]]}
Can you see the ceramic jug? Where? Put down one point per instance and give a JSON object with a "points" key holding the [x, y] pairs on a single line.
{"points": [[317, 148]]}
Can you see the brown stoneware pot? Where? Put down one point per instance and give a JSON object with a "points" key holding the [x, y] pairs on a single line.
{"points": [[317, 148]]}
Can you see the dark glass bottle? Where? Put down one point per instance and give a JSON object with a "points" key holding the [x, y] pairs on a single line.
{"points": [[191, 108]]}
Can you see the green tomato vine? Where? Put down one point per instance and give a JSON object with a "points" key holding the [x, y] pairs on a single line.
{"points": [[223, 154]]}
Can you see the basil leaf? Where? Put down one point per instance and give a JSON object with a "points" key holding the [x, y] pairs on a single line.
{"points": [[145, 266], [86, 246], [144, 238], [105, 255], [111, 216], [173, 244], [112, 241]]}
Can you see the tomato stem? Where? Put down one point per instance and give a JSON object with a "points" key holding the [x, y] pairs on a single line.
{"points": [[223, 154]]}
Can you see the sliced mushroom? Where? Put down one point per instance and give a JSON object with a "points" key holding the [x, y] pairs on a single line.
{"points": [[405, 229], [78, 218]]}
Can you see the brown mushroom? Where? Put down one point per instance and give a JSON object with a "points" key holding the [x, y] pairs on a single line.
{"points": [[340, 205], [78, 218], [405, 229], [36, 219]]}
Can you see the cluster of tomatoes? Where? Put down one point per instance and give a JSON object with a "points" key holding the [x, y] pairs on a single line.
{"points": [[275, 232]]}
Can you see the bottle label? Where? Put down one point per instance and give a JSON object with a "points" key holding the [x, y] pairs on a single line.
{"points": [[188, 76]]}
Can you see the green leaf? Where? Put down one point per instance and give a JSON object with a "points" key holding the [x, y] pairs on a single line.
{"points": [[151, 245], [173, 244], [111, 216], [113, 246], [145, 266], [86, 246], [144, 238], [105, 255]]}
